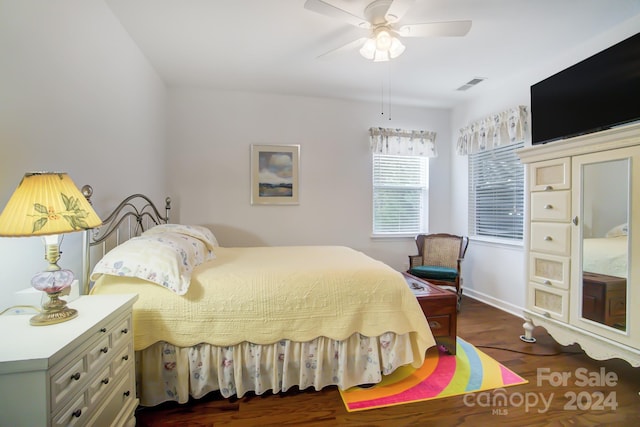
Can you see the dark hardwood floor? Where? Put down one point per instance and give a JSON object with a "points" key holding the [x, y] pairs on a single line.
{"points": [[583, 400]]}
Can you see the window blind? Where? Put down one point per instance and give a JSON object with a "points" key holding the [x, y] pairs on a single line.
{"points": [[496, 193], [400, 194]]}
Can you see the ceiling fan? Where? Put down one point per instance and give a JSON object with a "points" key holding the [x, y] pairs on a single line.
{"points": [[381, 18]]}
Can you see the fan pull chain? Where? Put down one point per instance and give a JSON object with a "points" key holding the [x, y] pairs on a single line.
{"points": [[389, 87], [388, 93]]}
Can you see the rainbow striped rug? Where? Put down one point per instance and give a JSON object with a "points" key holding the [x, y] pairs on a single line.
{"points": [[441, 375]]}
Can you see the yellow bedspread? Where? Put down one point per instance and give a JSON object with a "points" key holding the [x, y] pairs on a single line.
{"points": [[266, 294]]}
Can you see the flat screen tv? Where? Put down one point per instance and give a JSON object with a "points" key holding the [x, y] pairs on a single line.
{"points": [[597, 93]]}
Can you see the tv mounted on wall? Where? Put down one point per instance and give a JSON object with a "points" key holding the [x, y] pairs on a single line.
{"points": [[597, 93]]}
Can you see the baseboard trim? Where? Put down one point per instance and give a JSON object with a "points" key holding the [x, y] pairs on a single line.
{"points": [[494, 302]]}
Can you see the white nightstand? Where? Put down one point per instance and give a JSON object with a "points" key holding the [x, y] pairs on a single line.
{"points": [[80, 372]]}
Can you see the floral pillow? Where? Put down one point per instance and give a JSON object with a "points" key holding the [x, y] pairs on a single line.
{"points": [[197, 231], [166, 259]]}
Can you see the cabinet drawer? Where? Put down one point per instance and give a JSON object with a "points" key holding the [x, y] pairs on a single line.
{"points": [[551, 238], [551, 206], [549, 270], [549, 301], [550, 175]]}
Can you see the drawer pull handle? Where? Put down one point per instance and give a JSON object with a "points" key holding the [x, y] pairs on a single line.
{"points": [[125, 331], [575, 220], [77, 413], [548, 188], [105, 381], [548, 238], [75, 376], [125, 357], [434, 324], [547, 282], [103, 330], [104, 349], [126, 393], [546, 314], [548, 206]]}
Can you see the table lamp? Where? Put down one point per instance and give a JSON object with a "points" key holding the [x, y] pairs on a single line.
{"points": [[48, 204]]}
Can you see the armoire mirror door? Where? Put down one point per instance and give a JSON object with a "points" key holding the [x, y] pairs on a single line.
{"points": [[603, 232]]}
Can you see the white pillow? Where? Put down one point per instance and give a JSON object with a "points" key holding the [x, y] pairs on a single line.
{"points": [[166, 259], [618, 230], [197, 231]]}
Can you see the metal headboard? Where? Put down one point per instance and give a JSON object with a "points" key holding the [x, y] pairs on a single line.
{"points": [[130, 218]]}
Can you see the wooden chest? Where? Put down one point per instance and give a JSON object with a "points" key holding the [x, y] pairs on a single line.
{"points": [[439, 307], [604, 299]]}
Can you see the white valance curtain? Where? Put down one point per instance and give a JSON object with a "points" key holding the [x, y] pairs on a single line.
{"points": [[401, 142], [507, 127]]}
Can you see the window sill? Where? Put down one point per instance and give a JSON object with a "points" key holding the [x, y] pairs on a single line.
{"points": [[394, 236], [493, 241]]}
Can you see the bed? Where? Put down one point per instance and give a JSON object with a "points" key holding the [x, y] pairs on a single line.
{"points": [[605, 255], [256, 319]]}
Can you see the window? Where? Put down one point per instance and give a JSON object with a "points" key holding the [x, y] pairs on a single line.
{"points": [[400, 194], [496, 193]]}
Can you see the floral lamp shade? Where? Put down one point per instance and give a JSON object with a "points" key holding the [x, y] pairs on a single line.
{"points": [[46, 203]]}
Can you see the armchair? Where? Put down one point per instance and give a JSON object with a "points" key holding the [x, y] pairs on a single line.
{"points": [[438, 260]]}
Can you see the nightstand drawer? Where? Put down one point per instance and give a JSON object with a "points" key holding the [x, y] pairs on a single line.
{"points": [[124, 358], [121, 401], [75, 413], [551, 206], [68, 382], [100, 386], [121, 333]]}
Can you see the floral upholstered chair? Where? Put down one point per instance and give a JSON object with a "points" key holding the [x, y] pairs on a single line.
{"points": [[438, 260]]}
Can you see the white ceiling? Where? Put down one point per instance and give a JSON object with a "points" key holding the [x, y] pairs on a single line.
{"points": [[273, 45]]}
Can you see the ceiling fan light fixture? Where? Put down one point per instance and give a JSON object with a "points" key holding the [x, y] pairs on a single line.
{"points": [[383, 46], [368, 49], [396, 48], [383, 40], [381, 56]]}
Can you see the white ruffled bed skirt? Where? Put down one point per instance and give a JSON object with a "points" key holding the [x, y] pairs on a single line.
{"points": [[169, 373]]}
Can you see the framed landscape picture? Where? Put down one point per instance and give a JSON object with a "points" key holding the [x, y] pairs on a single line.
{"points": [[274, 174]]}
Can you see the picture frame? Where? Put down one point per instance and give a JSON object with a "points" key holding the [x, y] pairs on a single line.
{"points": [[275, 174]]}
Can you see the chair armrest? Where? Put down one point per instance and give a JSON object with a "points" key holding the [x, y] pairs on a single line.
{"points": [[415, 260]]}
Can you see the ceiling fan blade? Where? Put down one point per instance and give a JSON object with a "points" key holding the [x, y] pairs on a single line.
{"points": [[344, 48], [332, 11], [436, 29], [398, 9]]}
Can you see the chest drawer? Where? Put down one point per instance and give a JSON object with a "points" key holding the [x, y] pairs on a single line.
{"points": [[551, 238], [548, 301], [551, 206], [549, 270], [550, 175]]}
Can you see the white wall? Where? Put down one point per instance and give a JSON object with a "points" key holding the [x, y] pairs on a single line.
{"points": [[77, 96], [503, 283], [211, 133]]}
